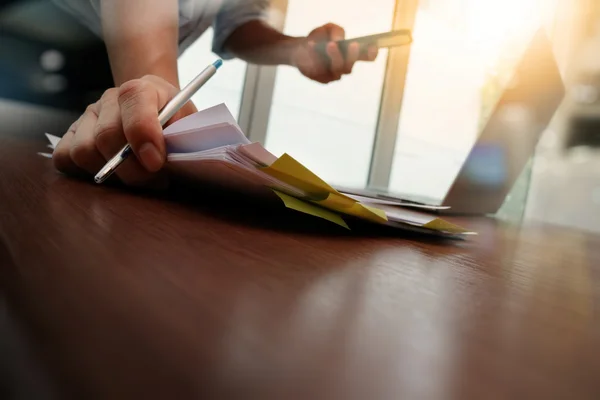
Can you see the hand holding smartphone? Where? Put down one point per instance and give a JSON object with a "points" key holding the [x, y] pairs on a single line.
{"points": [[382, 40]]}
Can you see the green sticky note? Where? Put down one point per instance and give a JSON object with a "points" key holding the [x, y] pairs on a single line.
{"points": [[308, 208]]}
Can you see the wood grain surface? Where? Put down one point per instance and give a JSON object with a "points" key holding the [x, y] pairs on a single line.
{"points": [[122, 294]]}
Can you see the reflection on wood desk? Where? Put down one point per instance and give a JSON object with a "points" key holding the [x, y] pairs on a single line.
{"points": [[127, 295]]}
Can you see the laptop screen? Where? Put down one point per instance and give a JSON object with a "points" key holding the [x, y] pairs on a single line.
{"points": [[451, 89]]}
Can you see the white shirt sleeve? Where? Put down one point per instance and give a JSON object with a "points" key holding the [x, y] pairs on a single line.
{"points": [[233, 14]]}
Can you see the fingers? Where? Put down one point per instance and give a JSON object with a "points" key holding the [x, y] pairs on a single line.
{"points": [[83, 150], [110, 138], [352, 54], [139, 103], [336, 64], [336, 60], [170, 92], [339, 65], [370, 54], [327, 32], [108, 132], [128, 114], [309, 62], [61, 156], [334, 32]]}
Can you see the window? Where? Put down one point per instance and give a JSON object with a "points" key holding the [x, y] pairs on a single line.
{"points": [[225, 87], [464, 52], [330, 128]]}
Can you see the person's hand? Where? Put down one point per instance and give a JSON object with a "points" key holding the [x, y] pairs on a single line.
{"points": [[127, 114], [314, 66]]}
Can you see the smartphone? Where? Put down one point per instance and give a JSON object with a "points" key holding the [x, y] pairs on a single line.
{"points": [[381, 40]]}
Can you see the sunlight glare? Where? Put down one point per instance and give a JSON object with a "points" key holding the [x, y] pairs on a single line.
{"points": [[494, 27]]}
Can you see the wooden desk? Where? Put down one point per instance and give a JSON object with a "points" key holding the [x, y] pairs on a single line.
{"points": [[121, 295]]}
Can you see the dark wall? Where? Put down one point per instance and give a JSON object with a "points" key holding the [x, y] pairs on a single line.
{"points": [[33, 31]]}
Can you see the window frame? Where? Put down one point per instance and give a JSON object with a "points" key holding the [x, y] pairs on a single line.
{"points": [[390, 106], [259, 86]]}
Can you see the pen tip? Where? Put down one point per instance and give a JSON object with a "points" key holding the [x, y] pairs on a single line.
{"points": [[218, 63]]}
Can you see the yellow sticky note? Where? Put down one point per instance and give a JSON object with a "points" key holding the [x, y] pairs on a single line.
{"points": [[308, 208], [290, 171], [379, 214], [313, 192], [358, 210], [288, 165], [442, 225], [336, 201]]}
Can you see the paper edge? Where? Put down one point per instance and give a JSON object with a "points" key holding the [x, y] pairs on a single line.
{"points": [[53, 140]]}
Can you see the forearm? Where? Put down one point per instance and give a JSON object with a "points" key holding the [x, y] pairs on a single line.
{"points": [[258, 43], [141, 38]]}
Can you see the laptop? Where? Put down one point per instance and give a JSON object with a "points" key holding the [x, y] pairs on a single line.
{"points": [[506, 142]]}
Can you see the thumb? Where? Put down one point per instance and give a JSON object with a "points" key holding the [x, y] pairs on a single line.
{"points": [[139, 101], [335, 32]]}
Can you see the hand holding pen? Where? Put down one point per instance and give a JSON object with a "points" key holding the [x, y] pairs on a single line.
{"points": [[122, 133]]}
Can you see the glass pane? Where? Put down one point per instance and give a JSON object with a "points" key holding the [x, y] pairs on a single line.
{"points": [[463, 54], [330, 128], [225, 87]]}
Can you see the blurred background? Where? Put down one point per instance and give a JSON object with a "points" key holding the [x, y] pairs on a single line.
{"points": [[47, 58], [405, 122]]}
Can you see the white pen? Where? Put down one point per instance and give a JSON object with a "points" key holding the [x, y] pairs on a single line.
{"points": [[164, 116]]}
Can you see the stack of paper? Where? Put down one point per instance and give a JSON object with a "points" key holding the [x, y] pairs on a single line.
{"points": [[210, 146]]}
